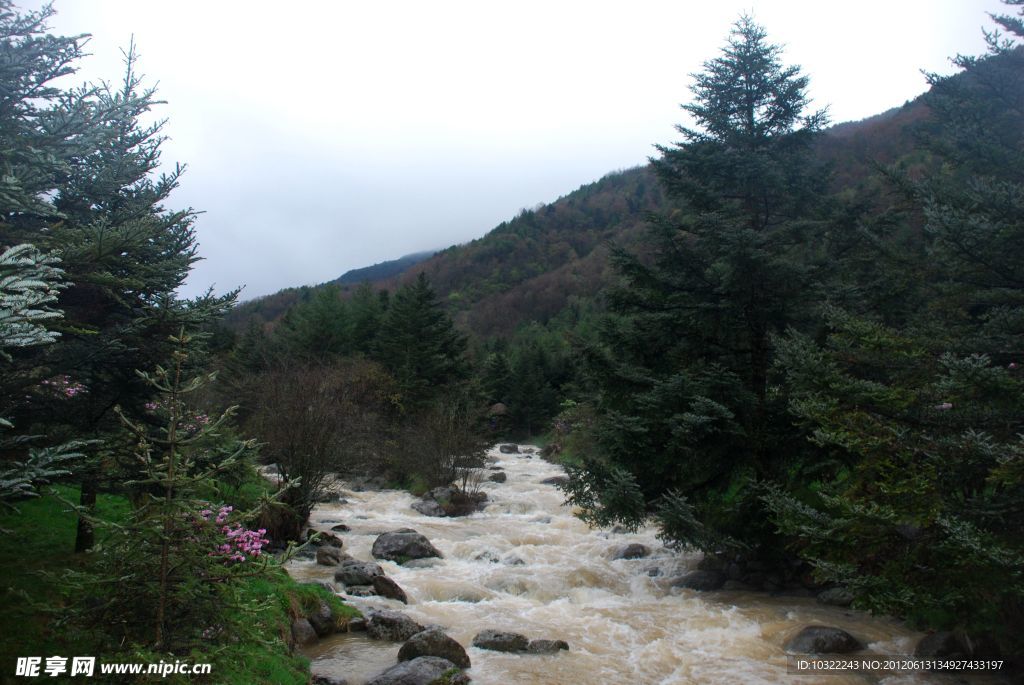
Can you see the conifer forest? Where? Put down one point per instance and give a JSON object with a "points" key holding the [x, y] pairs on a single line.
{"points": [[758, 400]]}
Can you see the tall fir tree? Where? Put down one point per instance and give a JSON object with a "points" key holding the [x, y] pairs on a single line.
{"points": [[81, 187], [496, 378], [366, 308], [918, 420], [419, 345], [318, 329], [690, 416]]}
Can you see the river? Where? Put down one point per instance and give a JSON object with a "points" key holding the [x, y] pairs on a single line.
{"points": [[623, 622]]}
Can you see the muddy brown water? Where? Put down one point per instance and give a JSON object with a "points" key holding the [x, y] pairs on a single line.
{"points": [[623, 622]]}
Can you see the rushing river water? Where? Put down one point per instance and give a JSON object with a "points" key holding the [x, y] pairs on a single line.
{"points": [[623, 622]]}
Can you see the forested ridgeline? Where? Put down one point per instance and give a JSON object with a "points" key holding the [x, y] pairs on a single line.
{"points": [[553, 259]]}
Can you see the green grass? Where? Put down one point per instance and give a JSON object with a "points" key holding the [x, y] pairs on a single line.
{"points": [[40, 538], [38, 546]]}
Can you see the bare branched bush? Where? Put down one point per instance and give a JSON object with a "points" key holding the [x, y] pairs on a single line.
{"points": [[444, 443], [319, 419]]}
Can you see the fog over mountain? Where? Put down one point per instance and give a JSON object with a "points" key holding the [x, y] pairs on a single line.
{"points": [[341, 136]]}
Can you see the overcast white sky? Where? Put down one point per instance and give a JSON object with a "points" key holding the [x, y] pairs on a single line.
{"points": [[326, 136]]}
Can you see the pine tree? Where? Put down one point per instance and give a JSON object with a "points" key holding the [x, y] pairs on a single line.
{"points": [[919, 503], [365, 310], [44, 130], [79, 184], [419, 345], [497, 378], [319, 329], [29, 284], [687, 403]]}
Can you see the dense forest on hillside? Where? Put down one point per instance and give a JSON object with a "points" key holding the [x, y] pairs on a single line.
{"points": [[795, 348]]}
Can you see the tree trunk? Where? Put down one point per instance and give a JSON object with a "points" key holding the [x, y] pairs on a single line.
{"points": [[85, 537]]}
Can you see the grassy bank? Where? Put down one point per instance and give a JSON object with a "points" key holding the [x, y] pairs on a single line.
{"points": [[37, 548]]}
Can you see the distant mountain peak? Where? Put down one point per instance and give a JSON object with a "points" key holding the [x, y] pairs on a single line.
{"points": [[382, 270]]}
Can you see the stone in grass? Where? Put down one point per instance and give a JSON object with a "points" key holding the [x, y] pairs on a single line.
{"points": [[823, 640], [391, 625], [322, 620], [424, 670], [498, 641], [546, 646], [303, 632], [385, 587], [433, 642]]}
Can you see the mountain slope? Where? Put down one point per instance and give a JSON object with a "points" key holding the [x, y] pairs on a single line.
{"points": [[533, 266], [381, 270], [268, 308]]}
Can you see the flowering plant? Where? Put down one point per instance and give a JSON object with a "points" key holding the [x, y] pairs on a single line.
{"points": [[239, 543], [64, 386]]}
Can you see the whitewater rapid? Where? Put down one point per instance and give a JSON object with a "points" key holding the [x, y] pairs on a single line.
{"points": [[623, 622]]}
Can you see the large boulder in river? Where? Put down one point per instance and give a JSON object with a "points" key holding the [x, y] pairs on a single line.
{"points": [[385, 587], [354, 572], [449, 500], [823, 640], [429, 507], [702, 581], [498, 477], [557, 481], [508, 449], [631, 551], [433, 642], [498, 641], [464, 503], [330, 556], [391, 625], [318, 538], [402, 545], [546, 646], [424, 670]]}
